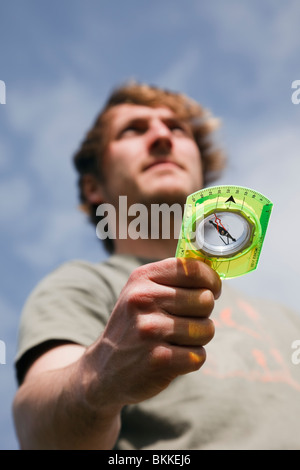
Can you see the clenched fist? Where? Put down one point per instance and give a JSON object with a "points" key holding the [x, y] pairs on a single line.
{"points": [[156, 331]]}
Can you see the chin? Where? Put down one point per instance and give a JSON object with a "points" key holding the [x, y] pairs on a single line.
{"points": [[168, 195], [168, 188]]}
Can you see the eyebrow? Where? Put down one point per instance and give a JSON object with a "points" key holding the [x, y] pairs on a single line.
{"points": [[168, 120], [176, 120]]}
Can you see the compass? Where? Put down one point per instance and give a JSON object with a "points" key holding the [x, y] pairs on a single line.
{"points": [[225, 227]]}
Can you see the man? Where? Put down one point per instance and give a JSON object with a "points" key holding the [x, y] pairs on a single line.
{"points": [[109, 353]]}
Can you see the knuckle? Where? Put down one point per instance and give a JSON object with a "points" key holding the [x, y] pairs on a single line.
{"points": [[139, 296], [207, 301], [209, 332], [148, 327], [134, 297], [137, 274], [161, 357]]}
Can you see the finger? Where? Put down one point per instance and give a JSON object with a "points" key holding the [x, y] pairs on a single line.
{"points": [[191, 332], [176, 330], [185, 272], [186, 302], [177, 360]]}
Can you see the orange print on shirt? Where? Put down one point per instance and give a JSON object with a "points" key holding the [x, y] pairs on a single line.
{"points": [[268, 365]]}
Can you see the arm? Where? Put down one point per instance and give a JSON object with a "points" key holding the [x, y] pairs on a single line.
{"points": [[51, 408], [156, 332]]}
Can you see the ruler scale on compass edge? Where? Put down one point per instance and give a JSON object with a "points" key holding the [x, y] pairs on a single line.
{"points": [[225, 227]]}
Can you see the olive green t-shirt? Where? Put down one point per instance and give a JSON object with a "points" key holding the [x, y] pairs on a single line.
{"points": [[246, 395]]}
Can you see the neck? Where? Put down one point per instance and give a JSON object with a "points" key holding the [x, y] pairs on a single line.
{"points": [[149, 248], [150, 237]]}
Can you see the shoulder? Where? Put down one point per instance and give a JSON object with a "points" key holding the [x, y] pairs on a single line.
{"points": [[84, 274], [72, 303]]}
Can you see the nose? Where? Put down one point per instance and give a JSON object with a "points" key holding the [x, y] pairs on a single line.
{"points": [[160, 138]]}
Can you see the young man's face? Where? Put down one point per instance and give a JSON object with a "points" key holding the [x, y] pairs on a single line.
{"points": [[151, 157]]}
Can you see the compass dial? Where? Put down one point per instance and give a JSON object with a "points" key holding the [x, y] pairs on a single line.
{"points": [[223, 233]]}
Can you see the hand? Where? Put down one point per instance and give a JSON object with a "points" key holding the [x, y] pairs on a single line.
{"points": [[156, 331]]}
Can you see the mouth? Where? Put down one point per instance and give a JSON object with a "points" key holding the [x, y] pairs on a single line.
{"points": [[162, 164]]}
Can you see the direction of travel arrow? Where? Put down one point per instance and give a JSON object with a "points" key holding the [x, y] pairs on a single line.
{"points": [[230, 199]]}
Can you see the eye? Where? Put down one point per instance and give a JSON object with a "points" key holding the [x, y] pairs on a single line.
{"points": [[133, 129], [178, 127]]}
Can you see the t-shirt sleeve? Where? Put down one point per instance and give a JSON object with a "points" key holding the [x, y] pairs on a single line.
{"points": [[71, 304]]}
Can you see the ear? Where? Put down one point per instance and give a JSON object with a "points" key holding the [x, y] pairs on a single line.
{"points": [[92, 189]]}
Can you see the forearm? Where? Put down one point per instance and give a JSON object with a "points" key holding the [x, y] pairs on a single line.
{"points": [[52, 411]]}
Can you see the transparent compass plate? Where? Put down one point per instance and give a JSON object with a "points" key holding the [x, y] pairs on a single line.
{"points": [[225, 227]]}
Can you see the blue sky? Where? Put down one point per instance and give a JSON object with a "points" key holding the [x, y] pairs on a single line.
{"points": [[60, 59]]}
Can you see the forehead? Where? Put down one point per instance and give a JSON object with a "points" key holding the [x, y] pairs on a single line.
{"points": [[126, 112]]}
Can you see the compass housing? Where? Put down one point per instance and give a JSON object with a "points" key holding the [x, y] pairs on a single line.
{"points": [[224, 233]]}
